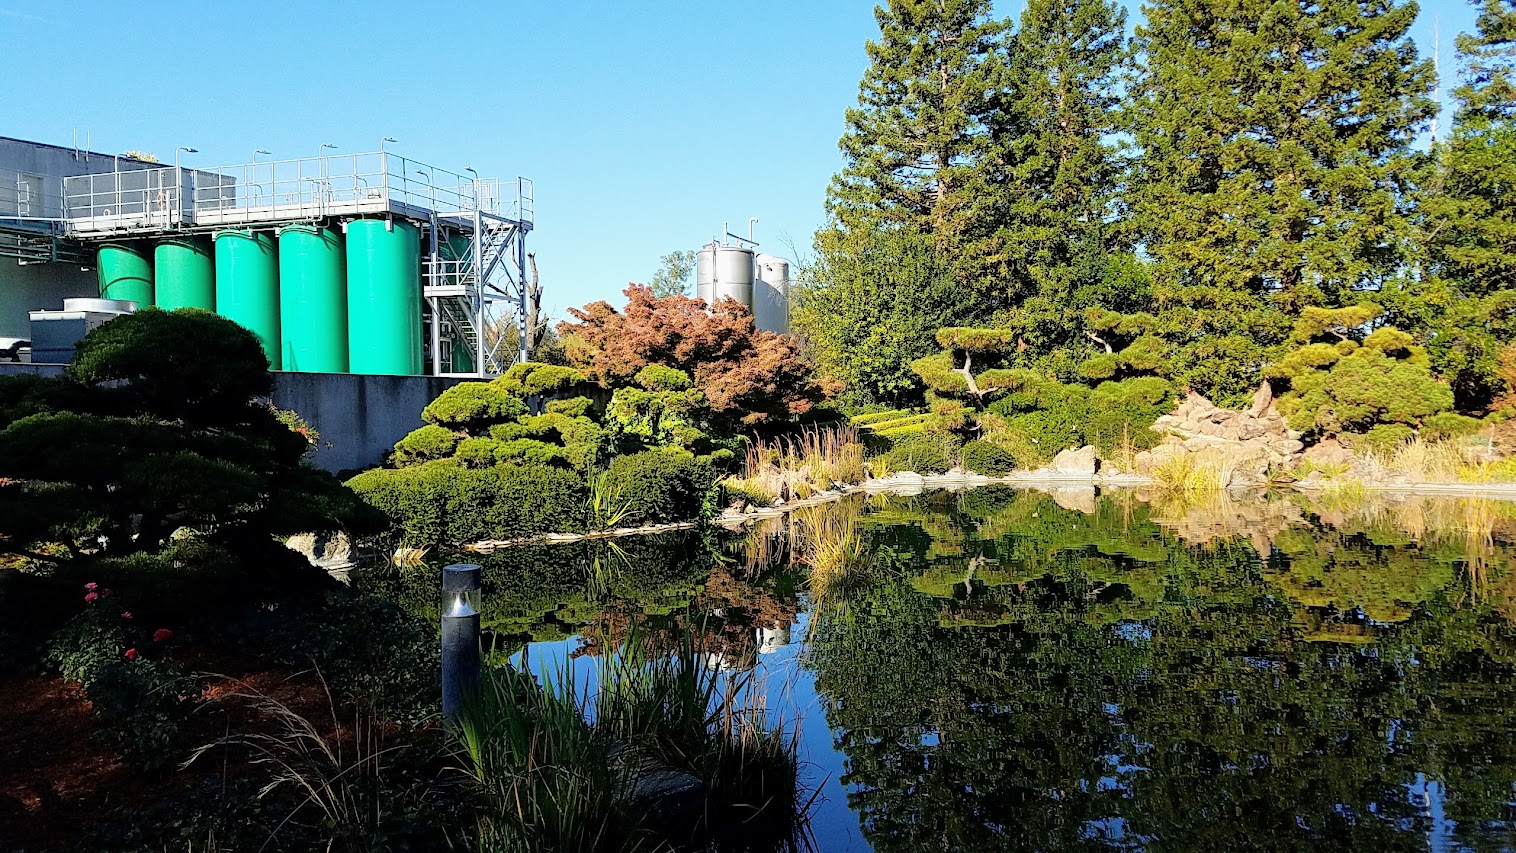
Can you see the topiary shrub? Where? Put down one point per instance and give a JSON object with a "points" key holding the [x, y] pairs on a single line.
{"points": [[441, 503], [660, 486], [478, 452], [1383, 438], [923, 453], [983, 457], [530, 378], [415, 499], [425, 444], [658, 377], [472, 406], [1449, 425]]}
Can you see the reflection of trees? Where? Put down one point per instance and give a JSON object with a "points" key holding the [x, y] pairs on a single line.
{"points": [[1055, 679]]}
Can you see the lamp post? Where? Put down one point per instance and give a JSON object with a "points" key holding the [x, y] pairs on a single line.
{"points": [[461, 602], [263, 151]]}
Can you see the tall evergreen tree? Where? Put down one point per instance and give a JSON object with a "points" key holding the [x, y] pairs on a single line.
{"points": [[1465, 304], [1060, 167], [915, 146], [1275, 139]]}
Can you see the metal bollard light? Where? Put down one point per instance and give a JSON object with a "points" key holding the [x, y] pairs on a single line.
{"points": [[461, 603]]}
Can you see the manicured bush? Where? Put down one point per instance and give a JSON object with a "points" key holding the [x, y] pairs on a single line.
{"points": [[437, 503], [1383, 438], [923, 453], [661, 486], [530, 378], [659, 377], [1449, 425], [478, 452], [425, 444], [983, 457], [415, 499], [472, 406]]}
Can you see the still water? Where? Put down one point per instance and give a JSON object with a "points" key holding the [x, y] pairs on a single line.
{"points": [[999, 669]]}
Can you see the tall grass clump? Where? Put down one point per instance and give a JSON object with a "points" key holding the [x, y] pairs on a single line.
{"points": [[560, 764], [829, 539], [1190, 476], [1450, 460], [798, 466]]}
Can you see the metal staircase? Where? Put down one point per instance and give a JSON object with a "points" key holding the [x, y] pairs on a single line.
{"points": [[473, 278], [33, 246]]}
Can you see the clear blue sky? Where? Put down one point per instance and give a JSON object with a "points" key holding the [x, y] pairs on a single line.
{"points": [[644, 125]]}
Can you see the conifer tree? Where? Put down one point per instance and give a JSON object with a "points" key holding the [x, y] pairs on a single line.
{"points": [[915, 146], [1061, 169], [1468, 295], [1274, 167]]}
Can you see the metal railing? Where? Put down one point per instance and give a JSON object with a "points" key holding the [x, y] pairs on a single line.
{"points": [[284, 190], [26, 197]]}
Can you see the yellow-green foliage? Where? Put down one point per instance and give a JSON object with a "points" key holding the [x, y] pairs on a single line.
{"points": [[1343, 387], [425, 444], [937, 372], [530, 378], [658, 377], [472, 405], [1316, 322], [974, 339]]}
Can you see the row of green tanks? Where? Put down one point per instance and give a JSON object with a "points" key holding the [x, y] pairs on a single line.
{"points": [[320, 300]]}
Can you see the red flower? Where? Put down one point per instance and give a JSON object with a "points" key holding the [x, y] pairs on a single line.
{"points": [[131, 654], [126, 615], [91, 596], [91, 585], [162, 634]]}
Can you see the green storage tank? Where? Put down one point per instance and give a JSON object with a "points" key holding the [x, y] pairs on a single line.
{"points": [[312, 300], [383, 297], [126, 272], [183, 274], [247, 286]]}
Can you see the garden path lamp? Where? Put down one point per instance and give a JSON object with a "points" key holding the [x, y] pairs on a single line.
{"points": [[461, 602]]}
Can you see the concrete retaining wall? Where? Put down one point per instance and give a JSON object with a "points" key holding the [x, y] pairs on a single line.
{"points": [[359, 417]]}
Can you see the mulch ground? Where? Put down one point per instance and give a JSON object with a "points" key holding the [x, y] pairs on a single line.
{"points": [[57, 783]]}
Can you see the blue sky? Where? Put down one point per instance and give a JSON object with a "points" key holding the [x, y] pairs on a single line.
{"points": [[645, 126]]}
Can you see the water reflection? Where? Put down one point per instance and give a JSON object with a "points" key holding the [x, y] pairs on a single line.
{"points": [[1000, 669]]}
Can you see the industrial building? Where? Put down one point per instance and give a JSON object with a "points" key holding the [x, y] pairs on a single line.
{"points": [[368, 263], [730, 267]]}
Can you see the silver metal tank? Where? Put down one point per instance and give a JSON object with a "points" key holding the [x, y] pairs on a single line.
{"points": [[771, 293], [724, 271]]}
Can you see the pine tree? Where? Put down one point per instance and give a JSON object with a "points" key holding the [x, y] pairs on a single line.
{"points": [[1275, 158], [1061, 168], [915, 146], [1468, 295]]}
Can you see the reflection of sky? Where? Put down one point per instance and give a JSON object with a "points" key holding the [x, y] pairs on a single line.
{"points": [[791, 693]]}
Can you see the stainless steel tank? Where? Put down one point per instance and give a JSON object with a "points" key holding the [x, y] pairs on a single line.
{"points": [[724, 271], [771, 294]]}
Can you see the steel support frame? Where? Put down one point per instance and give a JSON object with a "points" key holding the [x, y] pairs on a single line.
{"points": [[462, 298]]}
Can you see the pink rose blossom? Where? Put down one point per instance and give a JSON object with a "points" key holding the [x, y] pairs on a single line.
{"points": [[91, 596], [91, 585], [126, 615], [131, 654]]}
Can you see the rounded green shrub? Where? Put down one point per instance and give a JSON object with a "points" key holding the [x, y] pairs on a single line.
{"points": [[923, 453], [425, 444], [660, 486], [1449, 425], [658, 377], [472, 406], [983, 457]]}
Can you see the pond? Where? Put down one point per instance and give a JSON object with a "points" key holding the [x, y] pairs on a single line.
{"points": [[1001, 669]]}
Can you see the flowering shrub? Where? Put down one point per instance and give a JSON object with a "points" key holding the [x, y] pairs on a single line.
{"points": [[140, 696]]}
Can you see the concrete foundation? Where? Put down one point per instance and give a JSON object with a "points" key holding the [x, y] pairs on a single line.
{"points": [[359, 417]]}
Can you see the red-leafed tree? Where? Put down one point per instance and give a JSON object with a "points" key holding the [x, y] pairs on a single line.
{"points": [[747, 375]]}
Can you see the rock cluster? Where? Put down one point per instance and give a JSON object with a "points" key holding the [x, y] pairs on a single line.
{"points": [[1241, 446]]}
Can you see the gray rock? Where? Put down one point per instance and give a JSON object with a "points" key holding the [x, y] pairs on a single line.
{"points": [[330, 551], [1082, 462]]}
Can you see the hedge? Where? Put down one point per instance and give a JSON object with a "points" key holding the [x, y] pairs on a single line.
{"points": [[440, 503], [660, 486], [983, 457]]}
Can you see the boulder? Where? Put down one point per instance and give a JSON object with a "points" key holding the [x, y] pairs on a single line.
{"points": [[330, 551], [1330, 453], [1082, 462]]}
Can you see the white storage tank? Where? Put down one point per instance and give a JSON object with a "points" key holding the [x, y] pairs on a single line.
{"points": [[771, 293], [724, 271]]}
